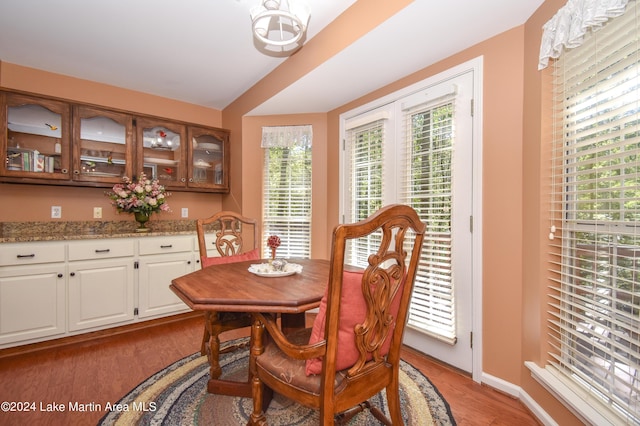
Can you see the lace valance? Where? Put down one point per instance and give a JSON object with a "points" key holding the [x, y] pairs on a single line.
{"points": [[567, 27], [287, 136]]}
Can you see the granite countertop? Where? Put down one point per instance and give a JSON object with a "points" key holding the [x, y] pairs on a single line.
{"points": [[13, 232]]}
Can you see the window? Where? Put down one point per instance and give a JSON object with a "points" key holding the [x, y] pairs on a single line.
{"points": [[594, 306], [427, 186], [287, 190], [365, 140]]}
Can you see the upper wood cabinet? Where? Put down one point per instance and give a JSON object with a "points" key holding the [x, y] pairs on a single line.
{"points": [[160, 151], [35, 138], [103, 145], [54, 142], [208, 158]]}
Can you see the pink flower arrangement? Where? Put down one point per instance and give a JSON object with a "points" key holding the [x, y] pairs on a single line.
{"points": [[273, 242], [144, 196]]}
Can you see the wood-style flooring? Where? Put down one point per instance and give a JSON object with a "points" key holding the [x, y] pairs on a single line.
{"points": [[88, 374]]}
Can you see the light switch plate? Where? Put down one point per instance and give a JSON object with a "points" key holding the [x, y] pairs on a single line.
{"points": [[185, 212], [97, 212]]}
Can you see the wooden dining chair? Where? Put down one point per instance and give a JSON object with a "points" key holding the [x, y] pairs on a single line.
{"points": [[352, 351], [231, 230]]}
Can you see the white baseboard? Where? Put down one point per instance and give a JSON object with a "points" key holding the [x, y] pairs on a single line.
{"points": [[518, 393], [501, 385]]}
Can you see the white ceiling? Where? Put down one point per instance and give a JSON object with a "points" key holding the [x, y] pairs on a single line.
{"points": [[202, 51]]}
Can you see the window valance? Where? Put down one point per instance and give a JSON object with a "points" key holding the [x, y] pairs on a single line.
{"points": [[567, 27], [287, 136]]}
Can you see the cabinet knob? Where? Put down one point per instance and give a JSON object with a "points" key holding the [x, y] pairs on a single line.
{"points": [[188, 262], [76, 172], [73, 274], [183, 180], [65, 171], [190, 179], [59, 275]]}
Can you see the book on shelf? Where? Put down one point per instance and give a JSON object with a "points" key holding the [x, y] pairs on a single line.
{"points": [[28, 160]]}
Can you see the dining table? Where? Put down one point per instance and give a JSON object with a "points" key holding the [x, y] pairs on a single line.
{"points": [[233, 287]]}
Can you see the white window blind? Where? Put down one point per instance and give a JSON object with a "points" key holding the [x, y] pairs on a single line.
{"points": [[594, 306], [287, 190], [426, 185], [365, 180]]}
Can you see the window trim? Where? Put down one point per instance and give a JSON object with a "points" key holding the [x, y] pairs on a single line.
{"points": [[569, 395]]}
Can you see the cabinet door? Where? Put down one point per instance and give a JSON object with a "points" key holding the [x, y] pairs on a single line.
{"points": [[155, 275], [103, 146], [161, 151], [32, 302], [208, 159], [100, 293], [35, 138]]}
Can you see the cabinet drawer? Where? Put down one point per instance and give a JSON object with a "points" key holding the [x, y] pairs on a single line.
{"points": [[170, 244], [31, 253], [100, 249]]}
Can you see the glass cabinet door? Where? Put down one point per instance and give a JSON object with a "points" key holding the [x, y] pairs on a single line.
{"points": [[103, 145], [160, 151], [35, 137], [208, 159]]}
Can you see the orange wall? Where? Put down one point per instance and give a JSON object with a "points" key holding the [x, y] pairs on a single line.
{"points": [[17, 77], [33, 202]]}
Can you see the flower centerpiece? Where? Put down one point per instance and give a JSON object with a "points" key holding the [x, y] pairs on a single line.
{"points": [[142, 198], [273, 242]]}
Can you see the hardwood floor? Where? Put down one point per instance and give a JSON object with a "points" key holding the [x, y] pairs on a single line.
{"points": [[106, 368]]}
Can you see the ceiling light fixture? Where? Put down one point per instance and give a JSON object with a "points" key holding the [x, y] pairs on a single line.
{"points": [[280, 26]]}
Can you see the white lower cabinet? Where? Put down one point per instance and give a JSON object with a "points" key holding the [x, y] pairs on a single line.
{"points": [[156, 273], [161, 259], [58, 288], [32, 302], [101, 283], [100, 293]]}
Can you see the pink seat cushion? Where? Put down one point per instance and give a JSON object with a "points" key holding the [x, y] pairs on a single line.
{"points": [[249, 255], [353, 310]]}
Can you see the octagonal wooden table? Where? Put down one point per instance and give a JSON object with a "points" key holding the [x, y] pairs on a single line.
{"points": [[232, 288]]}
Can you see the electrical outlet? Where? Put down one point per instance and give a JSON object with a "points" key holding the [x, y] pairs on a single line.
{"points": [[97, 212], [56, 212], [185, 212]]}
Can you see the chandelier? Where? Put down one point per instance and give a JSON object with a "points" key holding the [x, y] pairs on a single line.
{"points": [[280, 25]]}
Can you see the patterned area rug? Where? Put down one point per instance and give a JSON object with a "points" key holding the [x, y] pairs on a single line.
{"points": [[177, 395]]}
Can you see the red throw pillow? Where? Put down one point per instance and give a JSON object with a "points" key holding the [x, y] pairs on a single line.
{"points": [[249, 255], [353, 310]]}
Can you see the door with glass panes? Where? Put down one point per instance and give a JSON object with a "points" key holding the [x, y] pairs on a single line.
{"points": [[418, 150]]}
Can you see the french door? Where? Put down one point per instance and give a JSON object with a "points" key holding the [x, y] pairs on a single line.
{"points": [[418, 150]]}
